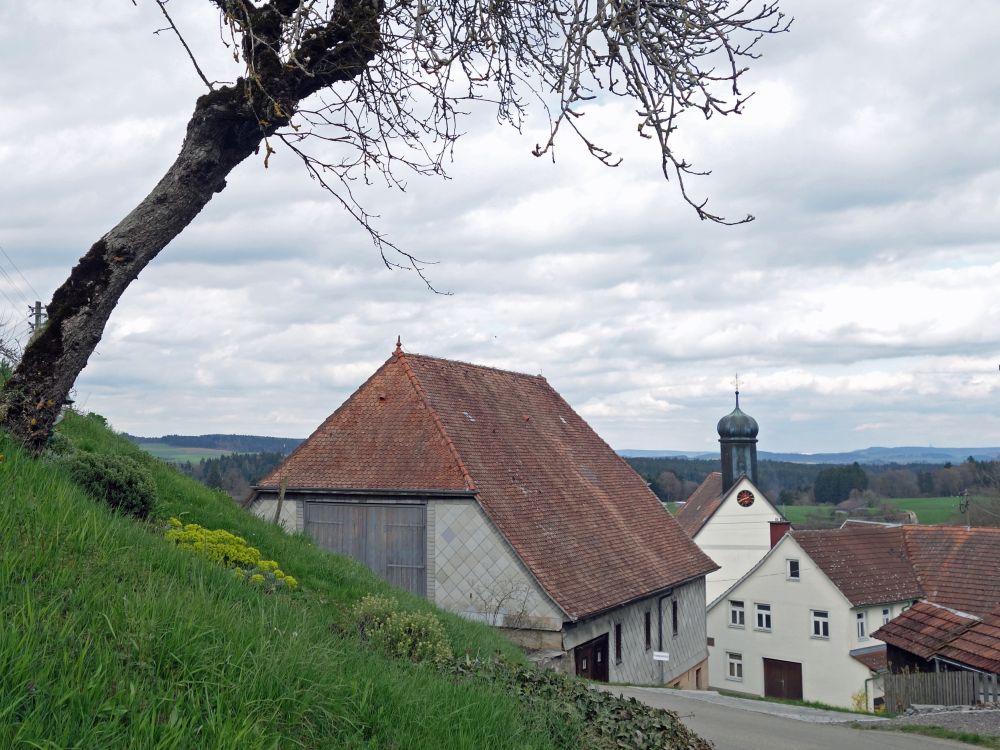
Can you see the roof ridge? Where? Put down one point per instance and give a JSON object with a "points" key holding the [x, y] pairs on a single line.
{"points": [[473, 364], [401, 356]]}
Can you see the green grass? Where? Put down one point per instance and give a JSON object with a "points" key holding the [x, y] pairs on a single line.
{"points": [[970, 738], [112, 637], [179, 454], [929, 510], [799, 514]]}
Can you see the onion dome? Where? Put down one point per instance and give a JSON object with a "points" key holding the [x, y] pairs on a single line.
{"points": [[737, 425]]}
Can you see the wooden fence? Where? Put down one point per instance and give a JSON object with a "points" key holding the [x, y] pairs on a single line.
{"points": [[939, 689]]}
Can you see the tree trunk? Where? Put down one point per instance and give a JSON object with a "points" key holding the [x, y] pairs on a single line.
{"points": [[222, 132]]}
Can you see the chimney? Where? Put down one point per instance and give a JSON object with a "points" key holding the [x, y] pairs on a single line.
{"points": [[778, 530]]}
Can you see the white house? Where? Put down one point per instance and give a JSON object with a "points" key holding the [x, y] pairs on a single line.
{"points": [[799, 623], [485, 492], [728, 517]]}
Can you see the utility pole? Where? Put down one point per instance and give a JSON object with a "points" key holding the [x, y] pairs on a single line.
{"points": [[36, 324]]}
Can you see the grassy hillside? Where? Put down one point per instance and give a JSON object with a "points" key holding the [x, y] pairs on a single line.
{"points": [[110, 636]]}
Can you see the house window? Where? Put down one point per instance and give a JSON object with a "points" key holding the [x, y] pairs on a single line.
{"points": [[820, 624], [792, 570], [673, 616], [862, 622], [736, 616], [763, 613], [618, 643], [734, 664], [886, 615], [648, 630]]}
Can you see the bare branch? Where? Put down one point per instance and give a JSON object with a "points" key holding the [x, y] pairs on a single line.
{"points": [[163, 9]]}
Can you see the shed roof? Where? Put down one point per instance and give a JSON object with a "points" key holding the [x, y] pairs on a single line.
{"points": [[977, 646], [584, 523], [924, 628]]}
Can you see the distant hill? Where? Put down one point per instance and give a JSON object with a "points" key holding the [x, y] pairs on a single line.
{"points": [[902, 455], [224, 443]]}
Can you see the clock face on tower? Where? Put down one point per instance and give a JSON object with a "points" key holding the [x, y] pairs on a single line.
{"points": [[745, 498]]}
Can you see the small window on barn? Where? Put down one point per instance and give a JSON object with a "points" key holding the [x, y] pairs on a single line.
{"points": [[674, 623], [647, 627], [792, 572], [737, 616], [618, 643], [734, 666]]}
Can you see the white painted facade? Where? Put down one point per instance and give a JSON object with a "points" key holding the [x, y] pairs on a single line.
{"points": [[736, 537], [796, 633]]}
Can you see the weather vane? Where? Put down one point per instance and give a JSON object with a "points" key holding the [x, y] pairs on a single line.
{"points": [[737, 382]]}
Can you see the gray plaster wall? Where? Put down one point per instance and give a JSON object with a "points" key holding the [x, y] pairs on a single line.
{"points": [[292, 518], [476, 573], [687, 649]]}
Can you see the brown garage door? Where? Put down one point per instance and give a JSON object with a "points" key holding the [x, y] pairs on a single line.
{"points": [[389, 539], [782, 679], [592, 659]]}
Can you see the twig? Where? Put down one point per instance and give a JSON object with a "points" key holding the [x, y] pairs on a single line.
{"points": [[163, 9]]}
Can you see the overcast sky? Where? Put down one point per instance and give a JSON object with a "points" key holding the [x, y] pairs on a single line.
{"points": [[860, 308]]}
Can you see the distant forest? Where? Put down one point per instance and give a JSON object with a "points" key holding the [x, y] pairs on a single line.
{"points": [[675, 478], [235, 473]]}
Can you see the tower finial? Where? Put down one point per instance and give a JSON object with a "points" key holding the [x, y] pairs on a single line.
{"points": [[736, 384], [399, 346]]}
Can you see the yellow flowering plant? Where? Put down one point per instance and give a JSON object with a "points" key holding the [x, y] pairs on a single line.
{"points": [[225, 548]]}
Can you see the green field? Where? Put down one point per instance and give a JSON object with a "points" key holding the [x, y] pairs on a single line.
{"points": [[929, 510], [176, 454]]}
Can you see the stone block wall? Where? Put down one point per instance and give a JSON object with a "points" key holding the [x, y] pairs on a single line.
{"points": [[476, 573], [687, 649]]}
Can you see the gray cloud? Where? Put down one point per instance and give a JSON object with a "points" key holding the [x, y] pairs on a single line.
{"points": [[859, 307]]}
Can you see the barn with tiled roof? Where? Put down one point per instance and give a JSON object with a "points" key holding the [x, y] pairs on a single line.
{"points": [[484, 491]]}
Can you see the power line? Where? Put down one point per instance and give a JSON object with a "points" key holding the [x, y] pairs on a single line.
{"points": [[13, 285], [25, 280]]}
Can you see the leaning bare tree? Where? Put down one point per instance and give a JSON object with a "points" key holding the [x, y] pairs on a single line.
{"points": [[357, 88]]}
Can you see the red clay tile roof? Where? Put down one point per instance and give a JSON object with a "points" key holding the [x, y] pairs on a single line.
{"points": [[585, 524], [978, 646], [868, 564], [873, 658], [359, 445], [957, 567], [923, 629], [702, 504], [949, 565]]}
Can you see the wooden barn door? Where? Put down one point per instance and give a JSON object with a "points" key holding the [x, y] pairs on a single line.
{"points": [[592, 659], [389, 539], [782, 679]]}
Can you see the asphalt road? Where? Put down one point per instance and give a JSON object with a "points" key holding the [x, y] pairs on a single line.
{"points": [[733, 728]]}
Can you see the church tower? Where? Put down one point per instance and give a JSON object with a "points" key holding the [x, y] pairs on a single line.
{"points": [[738, 440]]}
